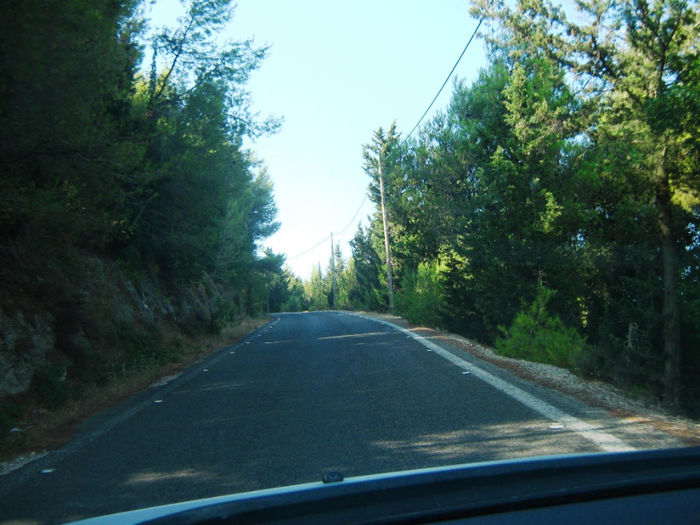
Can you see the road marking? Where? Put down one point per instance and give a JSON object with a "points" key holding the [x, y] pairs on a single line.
{"points": [[605, 441]]}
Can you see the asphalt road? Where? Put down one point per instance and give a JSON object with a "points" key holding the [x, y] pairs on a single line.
{"points": [[307, 394]]}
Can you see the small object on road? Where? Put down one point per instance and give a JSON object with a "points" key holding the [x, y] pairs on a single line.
{"points": [[333, 477], [465, 372], [556, 426]]}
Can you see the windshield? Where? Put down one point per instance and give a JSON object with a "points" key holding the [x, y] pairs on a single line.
{"points": [[248, 244]]}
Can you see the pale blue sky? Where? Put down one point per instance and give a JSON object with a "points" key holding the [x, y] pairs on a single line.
{"points": [[335, 72]]}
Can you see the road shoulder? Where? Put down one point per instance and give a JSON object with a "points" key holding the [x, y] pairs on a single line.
{"points": [[637, 417]]}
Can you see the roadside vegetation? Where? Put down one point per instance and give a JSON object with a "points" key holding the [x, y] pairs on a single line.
{"points": [[46, 417], [131, 214], [552, 210]]}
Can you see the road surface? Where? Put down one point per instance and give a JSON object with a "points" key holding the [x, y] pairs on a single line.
{"points": [[306, 394]]}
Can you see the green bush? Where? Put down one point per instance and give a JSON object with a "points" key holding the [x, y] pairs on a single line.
{"points": [[51, 386], [420, 299], [227, 313], [536, 335], [143, 348]]}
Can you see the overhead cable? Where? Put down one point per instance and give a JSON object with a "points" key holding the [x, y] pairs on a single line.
{"points": [[425, 113], [354, 216], [446, 79], [319, 243]]}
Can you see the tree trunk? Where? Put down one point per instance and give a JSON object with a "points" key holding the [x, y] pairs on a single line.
{"points": [[671, 314]]}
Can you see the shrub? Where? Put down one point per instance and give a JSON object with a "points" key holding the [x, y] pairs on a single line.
{"points": [[420, 299], [51, 386], [536, 335]]}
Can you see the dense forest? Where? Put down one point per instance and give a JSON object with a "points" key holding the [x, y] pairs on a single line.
{"points": [[129, 207], [553, 209]]}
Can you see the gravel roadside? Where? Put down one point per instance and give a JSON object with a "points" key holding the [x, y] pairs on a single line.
{"points": [[593, 392]]}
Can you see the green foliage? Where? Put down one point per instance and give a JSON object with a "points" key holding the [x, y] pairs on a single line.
{"points": [[51, 386], [285, 290], [536, 335], [420, 299], [569, 164], [318, 289], [142, 348], [296, 300], [366, 291], [101, 163], [228, 313], [632, 65], [67, 70]]}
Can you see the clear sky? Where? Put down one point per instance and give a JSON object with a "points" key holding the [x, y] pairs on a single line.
{"points": [[336, 71]]}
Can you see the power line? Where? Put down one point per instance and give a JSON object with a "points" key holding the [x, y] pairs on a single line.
{"points": [[364, 199], [446, 79], [319, 243], [425, 113]]}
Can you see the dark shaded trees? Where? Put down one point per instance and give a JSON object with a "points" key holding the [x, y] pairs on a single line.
{"points": [[120, 181]]}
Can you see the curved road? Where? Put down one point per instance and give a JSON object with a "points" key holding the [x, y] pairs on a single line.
{"points": [[306, 394]]}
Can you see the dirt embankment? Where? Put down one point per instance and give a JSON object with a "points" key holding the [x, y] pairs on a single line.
{"points": [[79, 331], [39, 429]]}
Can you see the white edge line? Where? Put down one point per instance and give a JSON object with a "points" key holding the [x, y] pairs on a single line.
{"points": [[605, 441]]}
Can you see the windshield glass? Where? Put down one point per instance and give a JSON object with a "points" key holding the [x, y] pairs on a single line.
{"points": [[248, 244]]}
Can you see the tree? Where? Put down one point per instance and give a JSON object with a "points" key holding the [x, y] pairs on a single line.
{"points": [[318, 289], [537, 335], [117, 187], [65, 135], [203, 209], [296, 295], [637, 60], [378, 160], [367, 290], [193, 57]]}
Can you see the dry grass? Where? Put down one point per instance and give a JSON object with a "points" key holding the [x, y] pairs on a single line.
{"points": [[46, 429]]}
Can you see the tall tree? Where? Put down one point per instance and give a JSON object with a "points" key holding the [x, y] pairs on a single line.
{"points": [[637, 60], [67, 70], [367, 265], [379, 162]]}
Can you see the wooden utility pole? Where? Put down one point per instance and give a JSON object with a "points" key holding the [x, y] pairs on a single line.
{"points": [[389, 277], [333, 282]]}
